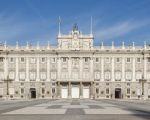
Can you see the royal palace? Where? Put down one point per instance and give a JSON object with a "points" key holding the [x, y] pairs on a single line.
{"points": [[75, 68]]}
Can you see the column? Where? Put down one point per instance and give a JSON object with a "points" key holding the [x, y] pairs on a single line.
{"points": [[81, 90], [58, 90], [38, 69], [69, 68], [17, 75], [81, 68], [123, 69], [145, 67], [59, 68], [69, 89], [112, 69], [27, 68], [92, 90], [102, 69], [91, 69], [5, 67], [48, 69], [133, 69]]}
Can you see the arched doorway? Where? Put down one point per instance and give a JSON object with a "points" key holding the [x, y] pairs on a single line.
{"points": [[33, 92], [118, 93]]}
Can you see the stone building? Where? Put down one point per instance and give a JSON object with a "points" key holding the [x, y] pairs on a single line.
{"points": [[75, 69]]}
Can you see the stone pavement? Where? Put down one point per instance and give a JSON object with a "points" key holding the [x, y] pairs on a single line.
{"points": [[75, 107]]}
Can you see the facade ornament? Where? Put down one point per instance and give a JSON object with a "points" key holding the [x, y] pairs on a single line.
{"points": [[112, 45], [17, 45], [37, 46], [27, 46], [75, 27], [102, 46], [48, 45], [133, 45], [123, 46], [5, 44], [145, 45]]}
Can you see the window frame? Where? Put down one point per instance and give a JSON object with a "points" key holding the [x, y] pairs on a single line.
{"points": [[128, 58]]}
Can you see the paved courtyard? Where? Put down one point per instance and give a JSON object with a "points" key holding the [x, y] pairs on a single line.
{"points": [[70, 109]]}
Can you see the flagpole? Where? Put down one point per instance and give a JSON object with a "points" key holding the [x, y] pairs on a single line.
{"points": [[59, 25], [91, 25]]}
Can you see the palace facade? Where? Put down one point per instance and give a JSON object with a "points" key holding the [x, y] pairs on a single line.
{"points": [[75, 69]]}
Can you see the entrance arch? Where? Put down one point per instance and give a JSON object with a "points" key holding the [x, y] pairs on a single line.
{"points": [[117, 93], [33, 93]]}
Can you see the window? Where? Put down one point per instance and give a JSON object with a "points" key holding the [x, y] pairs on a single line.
{"points": [[64, 75], [32, 75], [53, 75], [11, 60], [128, 60], [128, 90], [22, 75], [138, 60], [1, 92], [75, 75], [53, 90], [1, 59], [53, 84], [22, 90], [97, 59], [86, 59], [11, 91], [148, 59], [97, 75], [97, 90], [138, 75], [118, 75], [138, 92], [43, 91], [128, 75], [118, 60], [12, 75], [107, 75], [43, 75], [22, 59], [148, 75], [32, 60], [85, 75], [2, 76], [43, 60], [53, 60], [64, 59], [148, 91], [107, 90], [107, 60]]}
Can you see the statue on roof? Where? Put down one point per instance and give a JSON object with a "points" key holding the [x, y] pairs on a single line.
{"points": [[75, 27]]}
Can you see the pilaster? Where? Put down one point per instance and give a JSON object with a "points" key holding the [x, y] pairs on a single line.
{"points": [[102, 69], [48, 69], [17, 75], [123, 69], [112, 69], [133, 69], [27, 68], [38, 69]]}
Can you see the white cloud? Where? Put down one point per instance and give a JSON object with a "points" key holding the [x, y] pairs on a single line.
{"points": [[119, 29]]}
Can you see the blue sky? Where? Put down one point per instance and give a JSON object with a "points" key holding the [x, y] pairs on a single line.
{"points": [[37, 20]]}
